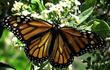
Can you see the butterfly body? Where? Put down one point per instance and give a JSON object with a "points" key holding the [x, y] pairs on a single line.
{"points": [[46, 41]]}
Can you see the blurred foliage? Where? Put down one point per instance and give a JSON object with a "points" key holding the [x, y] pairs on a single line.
{"points": [[98, 61], [12, 54], [101, 9], [3, 66], [95, 16]]}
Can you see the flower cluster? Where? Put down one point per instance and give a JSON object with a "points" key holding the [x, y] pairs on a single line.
{"points": [[17, 6], [64, 12], [20, 8]]}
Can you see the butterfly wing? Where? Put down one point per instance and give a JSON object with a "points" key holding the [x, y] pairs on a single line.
{"points": [[70, 42], [34, 33], [61, 54], [81, 42], [42, 42]]}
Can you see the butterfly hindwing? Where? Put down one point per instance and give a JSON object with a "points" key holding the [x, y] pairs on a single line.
{"points": [[61, 54], [81, 42], [37, 50], [70, 42]]}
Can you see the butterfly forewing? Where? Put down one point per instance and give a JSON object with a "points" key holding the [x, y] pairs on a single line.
{"points": [[25, 27], [34, 33]]}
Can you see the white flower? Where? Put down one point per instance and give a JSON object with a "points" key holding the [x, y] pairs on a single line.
{"points": [[25, 12], [17, 6], [14, 39], [70, 67], [48, 4], [36, 15], [63, 4], [59, 7], [77, 2], [64, 21], [75, 17], [45, 13]]}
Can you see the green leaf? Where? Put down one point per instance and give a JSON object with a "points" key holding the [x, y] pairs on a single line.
{"points": [[100, 27], [40, 3], [103, 1], [91, 2], [87, 4], [84, 15]]}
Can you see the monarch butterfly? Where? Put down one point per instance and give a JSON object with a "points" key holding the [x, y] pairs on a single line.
{"points": [[46, 41]]}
